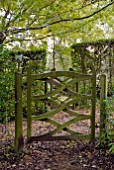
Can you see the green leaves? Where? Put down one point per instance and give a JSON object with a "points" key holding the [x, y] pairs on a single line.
{"points": [[77, 19], [7, 103]]}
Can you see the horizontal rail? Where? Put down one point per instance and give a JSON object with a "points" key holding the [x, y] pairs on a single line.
{"points": [[55, 74], [65, 137], [79, 96]]}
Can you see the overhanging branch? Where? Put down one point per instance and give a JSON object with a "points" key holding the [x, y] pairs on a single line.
{"points": [[17, 30], [41, 38]]}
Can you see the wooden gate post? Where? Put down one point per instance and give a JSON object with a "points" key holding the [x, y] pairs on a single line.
{"points": [[29, 82], [93, 102], [93, 109], [103, 97], [18, 111]]}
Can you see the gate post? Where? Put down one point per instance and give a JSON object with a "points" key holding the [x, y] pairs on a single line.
{"points": [[93, 107], [18, 111], [103, 96], [29, 82]]}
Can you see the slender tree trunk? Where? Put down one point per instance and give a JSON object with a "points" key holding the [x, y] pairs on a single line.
{"points": [[53, 55]]}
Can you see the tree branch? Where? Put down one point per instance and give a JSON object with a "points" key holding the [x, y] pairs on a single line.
{"points": [[41, 38], [47, 5], [17, 30], [7, 11]]}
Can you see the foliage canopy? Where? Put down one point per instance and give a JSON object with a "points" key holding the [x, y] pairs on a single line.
{"points": [[31, 20]]}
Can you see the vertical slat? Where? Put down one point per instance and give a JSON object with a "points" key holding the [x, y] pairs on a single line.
{"points": [[18, 111], [74, 89], [103, 96], [29, 82], [77, 90], [45, 91], [77, 87]]}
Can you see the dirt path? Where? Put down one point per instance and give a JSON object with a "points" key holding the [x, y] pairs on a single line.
{"points": [[62, 155], [56, 155]]}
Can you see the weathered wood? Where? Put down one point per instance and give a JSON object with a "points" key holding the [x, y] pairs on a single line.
{"points": [[55, 123], [54, 82], [71, 94], [74, 120], [93, 103], [29, 100], [65, 137], [60, 87], [18, 111], [45, 91], [52, 113], [73, 113], [55, 74], [103, 97]]}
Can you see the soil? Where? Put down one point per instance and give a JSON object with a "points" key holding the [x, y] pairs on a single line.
{"points": [[54, 155], [57, 155]]}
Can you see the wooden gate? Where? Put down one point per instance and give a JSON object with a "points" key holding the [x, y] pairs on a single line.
{"points": [[59, 93], [57, 87]]}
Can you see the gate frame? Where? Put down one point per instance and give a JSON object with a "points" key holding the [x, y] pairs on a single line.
{"points": [[18, 105], [93, 102]]}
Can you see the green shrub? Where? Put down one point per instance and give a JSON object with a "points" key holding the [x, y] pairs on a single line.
{"points": [[7, 101], [9, 63], [107, 136]]}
